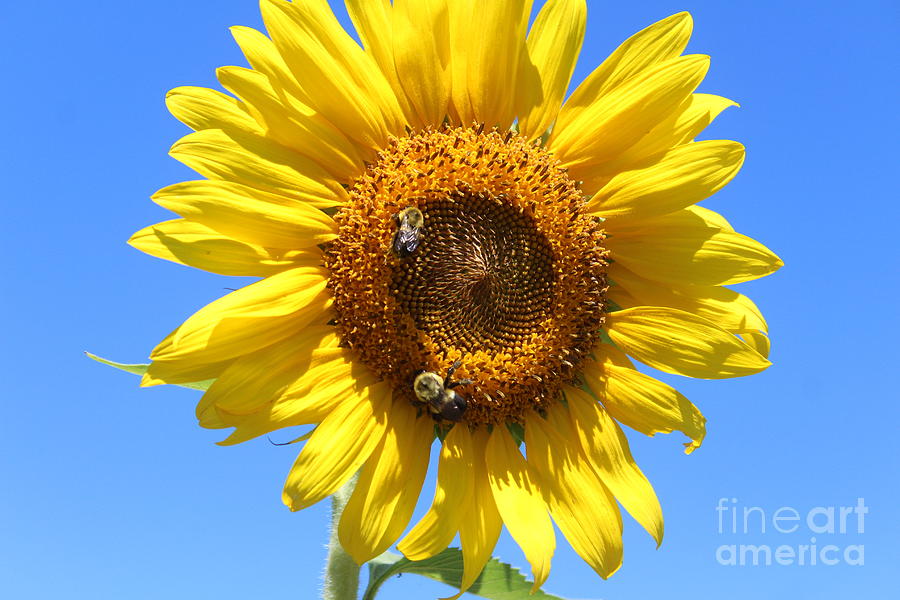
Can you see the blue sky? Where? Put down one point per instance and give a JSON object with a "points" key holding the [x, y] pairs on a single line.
{"points": [[110, 491]]}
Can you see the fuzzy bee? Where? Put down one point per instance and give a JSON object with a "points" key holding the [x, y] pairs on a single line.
{"points": [[410, 226], [439, 395]]}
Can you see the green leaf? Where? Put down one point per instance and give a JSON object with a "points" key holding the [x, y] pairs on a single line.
{"points": [[518, 432], [140, 369], [498, 581]]}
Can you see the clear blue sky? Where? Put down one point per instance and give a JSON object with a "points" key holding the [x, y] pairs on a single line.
{"points": [[110, 491]]}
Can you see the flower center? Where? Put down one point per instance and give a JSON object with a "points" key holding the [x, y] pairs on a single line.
{"points": [[470, 246], [482, 278]]}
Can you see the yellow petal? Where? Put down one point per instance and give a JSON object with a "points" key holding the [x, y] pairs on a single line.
{"points": [[757, 340], [161, 372], [643, 403], [250, 318], [657, 43], [607, 450], [203, 108], [553, 45], [583, 508], [619, 119], [520, 504], [248, 214], [388, 486], [338, 448], [422, 62], [258, 162], [678, 342], [685, 248], [724, 307], [694, 214], [452, 497], [209, 419], [293, 124], [332, 378], [684, 176], [480, 528], [461, 15], [190, 243], [485, 73], [263, 56], [340, 80], [683, 126], [374, 23], [417, 66], [260, 378]]}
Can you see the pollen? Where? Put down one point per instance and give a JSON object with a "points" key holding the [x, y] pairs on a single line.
{"points": [[508, 276]]}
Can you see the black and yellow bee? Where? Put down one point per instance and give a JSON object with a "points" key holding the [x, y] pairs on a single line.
{"points": [[438, 394], [410, 227]]}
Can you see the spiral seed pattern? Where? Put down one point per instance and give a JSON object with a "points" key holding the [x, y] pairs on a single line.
{"points": [[482, 277]]}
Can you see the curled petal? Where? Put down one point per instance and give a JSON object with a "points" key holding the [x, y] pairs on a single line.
{"points": [[643, 403], [724, 307], [677, 342]]}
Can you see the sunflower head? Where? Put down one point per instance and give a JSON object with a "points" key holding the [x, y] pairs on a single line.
{"points": [[509, 277], [440, 238]]}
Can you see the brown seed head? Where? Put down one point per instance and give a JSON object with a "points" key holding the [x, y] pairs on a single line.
{"points": [[509, 276]]}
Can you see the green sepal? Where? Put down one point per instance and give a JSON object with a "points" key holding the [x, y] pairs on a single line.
{"points": [[518, 432], [498, 581], [140, 369], [440, 433]]}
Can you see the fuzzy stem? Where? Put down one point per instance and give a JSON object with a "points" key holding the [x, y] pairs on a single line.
{"points": [[341, 572]]}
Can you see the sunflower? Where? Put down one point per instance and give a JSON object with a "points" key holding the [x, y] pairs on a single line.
{"points": [[428, 205]]}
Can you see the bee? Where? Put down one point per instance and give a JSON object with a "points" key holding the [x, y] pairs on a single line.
{"points": [[439, 395], [410, 224]]}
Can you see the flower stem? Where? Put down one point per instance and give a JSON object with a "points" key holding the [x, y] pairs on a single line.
{"points": [[341, 572]]}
